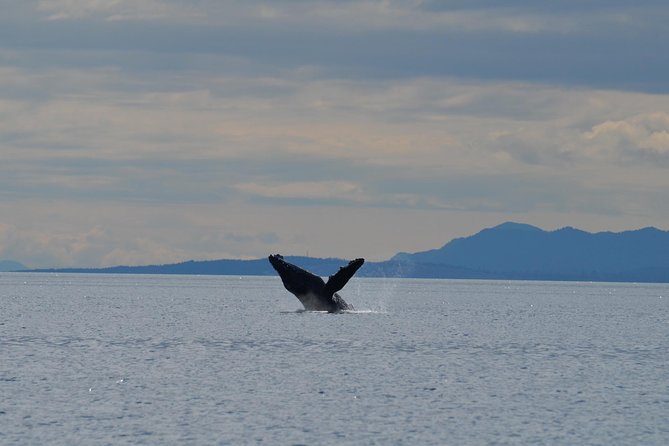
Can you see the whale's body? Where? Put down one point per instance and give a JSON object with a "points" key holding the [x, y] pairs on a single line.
{"points": [[314, 293]]}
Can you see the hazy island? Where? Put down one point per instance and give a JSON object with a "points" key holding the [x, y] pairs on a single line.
{"points": [[10, 265]]}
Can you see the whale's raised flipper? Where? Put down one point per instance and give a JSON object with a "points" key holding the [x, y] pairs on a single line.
{"points": [[337, 281], [311, 290]]}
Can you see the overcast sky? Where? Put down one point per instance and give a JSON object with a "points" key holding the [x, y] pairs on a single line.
{"points": [[157, 131]]}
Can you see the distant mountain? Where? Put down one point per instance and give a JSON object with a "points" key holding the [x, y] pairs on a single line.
{"points": [[514, 250], [508, 251], [10, 265]]}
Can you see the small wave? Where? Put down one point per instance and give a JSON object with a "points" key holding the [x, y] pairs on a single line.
{"points": [[364, 312], [301, 311]]}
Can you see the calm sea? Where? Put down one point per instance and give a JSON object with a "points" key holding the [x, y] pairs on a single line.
{"points": [[125, 359]]}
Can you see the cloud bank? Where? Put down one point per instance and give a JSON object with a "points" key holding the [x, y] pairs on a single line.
{"points": [[158, 131]]}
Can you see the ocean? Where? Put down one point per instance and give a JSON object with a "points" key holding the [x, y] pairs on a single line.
{"points": [[149, 359]]}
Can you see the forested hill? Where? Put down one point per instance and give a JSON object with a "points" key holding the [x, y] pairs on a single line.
{"points": [[514, 250]]}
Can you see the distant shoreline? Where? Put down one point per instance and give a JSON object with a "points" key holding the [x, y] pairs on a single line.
{"points": [[510, 251], [373, 270]]}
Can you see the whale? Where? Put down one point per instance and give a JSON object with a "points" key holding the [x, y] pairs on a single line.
{"points": [[314, 293]]}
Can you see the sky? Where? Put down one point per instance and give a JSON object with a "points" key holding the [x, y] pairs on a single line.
{"points": [[157, 131]]}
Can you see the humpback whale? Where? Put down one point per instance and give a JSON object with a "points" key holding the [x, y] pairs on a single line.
{"points": [[314, 293]]}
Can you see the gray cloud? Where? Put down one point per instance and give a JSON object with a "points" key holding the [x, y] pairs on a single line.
{"points": [[609, 45], [236, 128]]}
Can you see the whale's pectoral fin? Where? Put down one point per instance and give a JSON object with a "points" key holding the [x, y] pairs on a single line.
{"points": [[337, 281], [295, 279]]}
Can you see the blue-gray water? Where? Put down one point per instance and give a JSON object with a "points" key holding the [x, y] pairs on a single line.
{"points": [[118, 359]]}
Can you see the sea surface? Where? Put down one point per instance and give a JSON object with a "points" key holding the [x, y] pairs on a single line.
{"points": [[148, 359]]}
